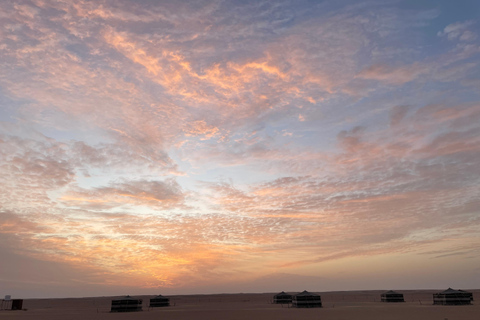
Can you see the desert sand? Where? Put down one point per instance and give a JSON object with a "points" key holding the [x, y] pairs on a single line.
{"points": [[359, 305]]}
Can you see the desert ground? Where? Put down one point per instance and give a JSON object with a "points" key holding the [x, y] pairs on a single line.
{"points": [[358, 305]]}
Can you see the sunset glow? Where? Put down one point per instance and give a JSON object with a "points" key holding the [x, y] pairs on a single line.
{"points": [[238, 146]]}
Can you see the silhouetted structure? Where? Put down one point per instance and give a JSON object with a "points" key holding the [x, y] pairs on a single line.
{"points": [[17, 304], [452, 297], [127, 304], [159, 301], [306, 299], [11, 304], [392, 296], [282, 297]]}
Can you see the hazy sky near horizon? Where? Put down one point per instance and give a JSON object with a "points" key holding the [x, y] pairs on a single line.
{"points": [[238, 146]]}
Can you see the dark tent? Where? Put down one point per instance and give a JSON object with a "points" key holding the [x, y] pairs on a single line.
{"points": [[392, 296], [12, 304], [306, 299], [126, 304], [452, 297], [282, 297], [159, 301], [17, 304]]}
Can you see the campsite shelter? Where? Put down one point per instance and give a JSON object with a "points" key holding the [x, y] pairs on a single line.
{"points": [[282, 297], [11, 304], [452, 297], [126, 304], [159, 301], [306, 299], [17, 304], [392, 296]]}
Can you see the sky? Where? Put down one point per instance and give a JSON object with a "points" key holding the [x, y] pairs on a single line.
{"points": [[180, 147]]}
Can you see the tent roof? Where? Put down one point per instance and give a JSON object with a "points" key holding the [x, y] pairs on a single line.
{"points": [[450, 290], [306, 293], [127, 298], [390, 292]]}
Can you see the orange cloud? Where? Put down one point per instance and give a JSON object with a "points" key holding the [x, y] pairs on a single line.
{"points": [[201, 128], [137, 55], [159, 194]]}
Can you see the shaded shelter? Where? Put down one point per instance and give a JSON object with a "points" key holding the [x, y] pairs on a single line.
{"points": [[306, 299], [282, 297], [159, 301], [452, 297], [392, 296], [126, 304], [11, 304], [17, 304]]}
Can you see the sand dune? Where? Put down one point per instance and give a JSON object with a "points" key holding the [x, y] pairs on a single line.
{"points": [[359, 305]]}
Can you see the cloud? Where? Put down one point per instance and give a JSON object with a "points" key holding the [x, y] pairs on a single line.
{"points": [[29, 169], [351, 140], [375, 185], [397, 114], [187, 251], [157, 194], [201, 128], [459, 30], [392, 75]]}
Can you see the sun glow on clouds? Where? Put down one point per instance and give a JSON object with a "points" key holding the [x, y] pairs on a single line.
{"points": [[220, 146]]}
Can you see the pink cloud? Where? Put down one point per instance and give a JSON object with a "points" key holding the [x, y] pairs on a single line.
{"points": [[201, 128], [392, 75], [398, 113]]}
